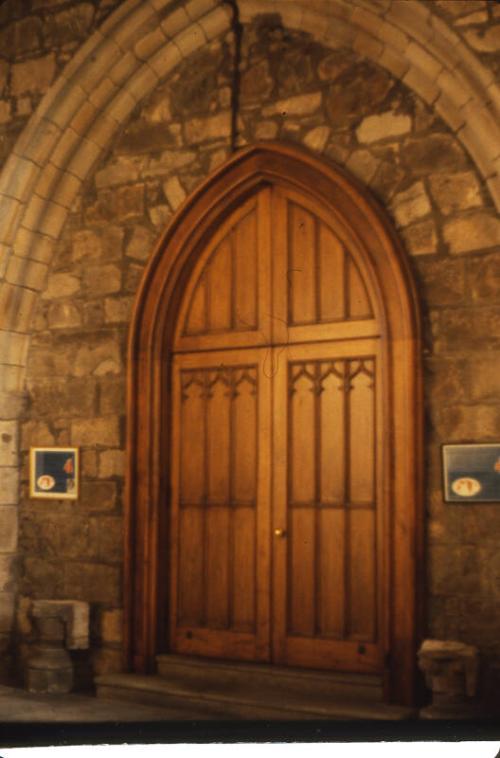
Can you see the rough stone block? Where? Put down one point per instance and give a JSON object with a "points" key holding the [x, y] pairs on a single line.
{"points": [[118, 204], [4, 72], [118, 309], [467, 329], [484, 40], [8, 565], [266, 130], [94, 583], [9, 437], [106, 538], [112, 395], [484, 377], [300, 105], [61, 285], [363, 165], [68, 396], [104, 430], [459, 422], [42, 577], [21, 37], [88, 463], [411, 204], [133, 276], [111, 463], [170, 160], [446, 383], [8, 528], [97, 496], [63, 315], [123, 170], [98, 356], [112, 626], [9, 491], [140, 244], [174, 192], [5, 111], [91, 244], [433, 153], [36, 434], [102, 279], [455, 8], [421, 238], [205, 129], [483, 278], [68, 25], [7, 611], [455, 192], [442, 281], [382, 126], [317, 138], [474, 232], [33, 75]]}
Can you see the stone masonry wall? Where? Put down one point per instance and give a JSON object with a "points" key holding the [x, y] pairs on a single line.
{"points": [[37, 38], [338, 105]]}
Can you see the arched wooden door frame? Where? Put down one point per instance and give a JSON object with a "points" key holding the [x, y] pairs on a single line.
{"points": [[151, 333]]}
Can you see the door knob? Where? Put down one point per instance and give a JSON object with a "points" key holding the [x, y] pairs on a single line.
{"points": [[279, 532]]}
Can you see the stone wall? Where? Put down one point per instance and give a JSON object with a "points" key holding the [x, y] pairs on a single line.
{"points": [[37, 39], [336, 103], [352, 112]]}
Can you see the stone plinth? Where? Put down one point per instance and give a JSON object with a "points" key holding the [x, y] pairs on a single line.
{"points": [[450, 670], [62, 625]]}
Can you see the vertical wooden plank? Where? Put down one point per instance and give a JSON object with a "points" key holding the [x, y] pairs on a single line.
{"points": [[264, 511], [265, 261], [243, 562], [197, 317], [362, 437], [218, 437], [192, 462], [331, 572], [302, 435], [281, 283], [301, 572], [362, 574], [191, 569], [244, 453], [302, 265], [331, 276], [332, 433], [359, 304], [281, 516], [216, 567], [220, 287], [245, 263]]}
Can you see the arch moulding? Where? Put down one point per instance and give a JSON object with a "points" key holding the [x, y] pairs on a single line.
{"points": [[148, 403]]}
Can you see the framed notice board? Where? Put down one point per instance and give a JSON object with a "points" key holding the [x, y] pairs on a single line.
{"points": [[54, 472], [471, 473]]}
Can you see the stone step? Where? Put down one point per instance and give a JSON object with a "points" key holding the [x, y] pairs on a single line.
{"points": [[158, 691], [204, 674]]}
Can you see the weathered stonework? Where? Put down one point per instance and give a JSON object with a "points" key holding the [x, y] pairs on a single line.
{"points": [[336, 103]]}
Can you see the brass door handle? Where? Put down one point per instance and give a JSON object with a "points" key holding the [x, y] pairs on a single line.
{"points": [[279, 532]]}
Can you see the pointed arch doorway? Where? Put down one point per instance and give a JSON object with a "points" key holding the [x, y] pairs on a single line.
{"points": [[274, 429]]}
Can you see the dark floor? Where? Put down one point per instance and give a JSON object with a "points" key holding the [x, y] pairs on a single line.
{"points": [[17, 705]]}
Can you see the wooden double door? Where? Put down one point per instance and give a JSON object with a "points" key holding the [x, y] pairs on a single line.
{"points": [[277, 530]]}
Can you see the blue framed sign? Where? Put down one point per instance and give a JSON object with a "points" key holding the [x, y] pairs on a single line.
{"points": [[471, 473], [54, 472]]}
